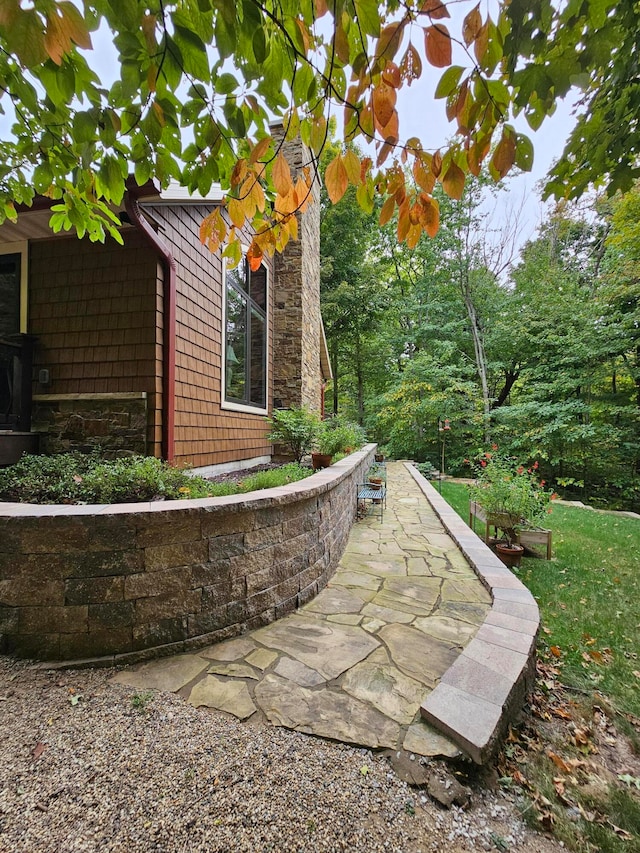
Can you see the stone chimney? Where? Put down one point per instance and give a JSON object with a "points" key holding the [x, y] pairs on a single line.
{"points": [[297, 323]]}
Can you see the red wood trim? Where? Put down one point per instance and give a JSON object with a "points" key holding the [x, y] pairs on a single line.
{"points": [[169, 342]]}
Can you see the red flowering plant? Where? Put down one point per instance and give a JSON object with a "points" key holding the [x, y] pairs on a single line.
{"points": [[510, 494]]}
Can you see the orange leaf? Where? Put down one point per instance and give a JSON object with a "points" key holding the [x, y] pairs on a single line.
{"points": [[437, 42], [505, 154], [425, 180], [435, 9], [481, 41], [383, 99], [404, 222], [389, 40], [560, 763], [432, 217], [254, 256], [260, 149], [391, 75], [411, 65], [336, 179], [436, 163], [387, 210], [413, 237], [281, 175], [555, 651], [472, 25], [453, 181]]}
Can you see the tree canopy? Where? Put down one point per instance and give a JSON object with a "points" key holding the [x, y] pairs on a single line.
{"points": [[196, 84]]}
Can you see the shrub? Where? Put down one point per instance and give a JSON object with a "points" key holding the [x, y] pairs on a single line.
{"points": [[290, 473], [296, 428]]}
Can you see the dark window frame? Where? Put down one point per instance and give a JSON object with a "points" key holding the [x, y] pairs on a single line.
{"points": [[241, 285]]}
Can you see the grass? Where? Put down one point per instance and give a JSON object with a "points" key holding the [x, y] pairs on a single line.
{"points": [[564, 755], [589, 597]]}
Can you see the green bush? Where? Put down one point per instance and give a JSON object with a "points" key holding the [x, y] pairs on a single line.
{"points": [[296, 428], [290, 473]]}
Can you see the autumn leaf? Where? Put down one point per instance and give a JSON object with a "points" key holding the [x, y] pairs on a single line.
{"points": [[505, 154], [281, 175], [560, 763], [236, 212], [254, 256], [260, 149], [555, 651], [353, 166], [336, 179], [453, 181], [38, 750], [472, 25], [384, 99], [435, 9], [411, 65], [437, 42], [389, 40], [387, 210]]}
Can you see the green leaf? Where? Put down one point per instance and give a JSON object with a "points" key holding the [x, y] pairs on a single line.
{"points": [[524, 152], [226, 37], [449, 81], [194, 53], [369, 16]]}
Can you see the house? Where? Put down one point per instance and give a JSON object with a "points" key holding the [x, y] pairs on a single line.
{"points": [[155, 346]]}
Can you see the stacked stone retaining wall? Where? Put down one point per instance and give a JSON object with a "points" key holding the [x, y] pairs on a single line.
{"points": [[130, 581]]}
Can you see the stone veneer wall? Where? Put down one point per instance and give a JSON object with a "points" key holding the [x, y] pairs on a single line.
{"points": [[132, 581], [297, 377], [115, 423]]}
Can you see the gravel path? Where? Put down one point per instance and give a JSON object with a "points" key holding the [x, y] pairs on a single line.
{"points": [[90, 765]]}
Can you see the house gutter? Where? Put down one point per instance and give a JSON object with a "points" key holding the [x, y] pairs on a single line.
{"points": [[169, 332]]}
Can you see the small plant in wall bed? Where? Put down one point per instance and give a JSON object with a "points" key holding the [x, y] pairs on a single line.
{"points": [[74, 478]]}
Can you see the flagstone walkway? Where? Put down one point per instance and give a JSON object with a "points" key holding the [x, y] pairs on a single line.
{"points": [[355, 663]]}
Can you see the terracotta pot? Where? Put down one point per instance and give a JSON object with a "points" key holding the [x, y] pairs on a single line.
{"points": [[320, 460], [379, 457], [375, 483], [509, 554]]}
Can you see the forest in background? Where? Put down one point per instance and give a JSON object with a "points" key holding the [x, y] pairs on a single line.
{"points": [[538, 354]]}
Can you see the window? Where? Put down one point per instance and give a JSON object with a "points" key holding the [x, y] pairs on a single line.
{"points": [[245, 345]]}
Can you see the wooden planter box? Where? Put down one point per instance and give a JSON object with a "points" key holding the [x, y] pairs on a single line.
{"points": [[529, 538]]}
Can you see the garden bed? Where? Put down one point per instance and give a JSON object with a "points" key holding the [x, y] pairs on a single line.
{"points": [[128, 581]]}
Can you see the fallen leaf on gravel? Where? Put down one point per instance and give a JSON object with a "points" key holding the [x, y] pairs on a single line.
{"points": [[364, 770], [38, 750], [75, 699]]}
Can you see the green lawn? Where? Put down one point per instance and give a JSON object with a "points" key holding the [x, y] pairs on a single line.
{"points": [[589, 597]]}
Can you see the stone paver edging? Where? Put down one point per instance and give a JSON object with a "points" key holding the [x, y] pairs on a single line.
{"points": [[485, 686]]}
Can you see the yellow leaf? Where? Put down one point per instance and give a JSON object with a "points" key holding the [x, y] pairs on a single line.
{"points": [[236, 212], [453, 181], [437, 43], [260, 149], [413, 237], [353, 166], [281, 175], [239, 172], [336, 179]]}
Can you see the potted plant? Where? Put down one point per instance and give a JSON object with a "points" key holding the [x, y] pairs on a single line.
{"points": [[335, 436], [511, 497], [375, 476]]}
